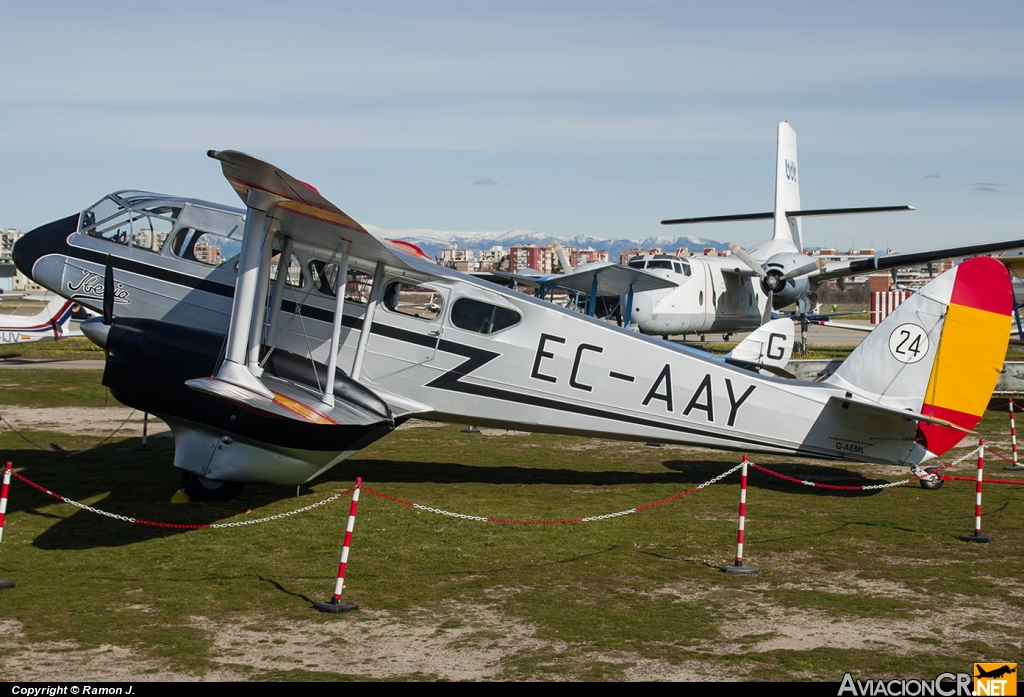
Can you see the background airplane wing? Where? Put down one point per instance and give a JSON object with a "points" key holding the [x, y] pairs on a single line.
{"points": [[612, 279], [896, 261], [305, 215]]}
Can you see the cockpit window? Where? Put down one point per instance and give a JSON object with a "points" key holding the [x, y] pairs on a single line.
{"points": [[659, 264], [686, 268], [142, 228], [477, 316], [637, 264]]}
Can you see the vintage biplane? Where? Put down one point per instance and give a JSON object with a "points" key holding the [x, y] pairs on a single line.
{"points": [[278, 340]]}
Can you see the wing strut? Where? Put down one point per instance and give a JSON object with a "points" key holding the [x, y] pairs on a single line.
{"points": [[283, 262], [233, 369], [629, 308], [340, 286], [371, 307], [259, 308]]}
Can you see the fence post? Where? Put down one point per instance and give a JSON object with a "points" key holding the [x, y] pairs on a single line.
{"points": [[1015, 467], [3, 511], [738, 567], [977, 536], [334, 606]]}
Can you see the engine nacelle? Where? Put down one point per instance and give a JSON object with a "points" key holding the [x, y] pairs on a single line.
{"points": [[787, 290]]}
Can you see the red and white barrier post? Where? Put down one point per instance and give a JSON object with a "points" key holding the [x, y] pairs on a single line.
{"points": [[3, 511], [738, 567], [1015, 467], [334, 605], [977, 536]]}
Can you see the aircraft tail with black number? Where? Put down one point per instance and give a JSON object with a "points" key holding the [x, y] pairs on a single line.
{"points": [[938, 354]]}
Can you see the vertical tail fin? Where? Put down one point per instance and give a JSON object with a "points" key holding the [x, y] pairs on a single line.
{"points": [[563, 258], [940, 352], [787, 187]]}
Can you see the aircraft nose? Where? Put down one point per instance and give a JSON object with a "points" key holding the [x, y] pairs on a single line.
{"points": [[51, 238]]}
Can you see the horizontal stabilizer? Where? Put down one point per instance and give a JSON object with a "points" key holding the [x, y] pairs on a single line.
{"points": [[789, 214], [855, 405]]}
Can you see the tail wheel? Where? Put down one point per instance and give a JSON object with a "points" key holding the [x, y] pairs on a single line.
{"points": [[200, 488], [932, 483]]}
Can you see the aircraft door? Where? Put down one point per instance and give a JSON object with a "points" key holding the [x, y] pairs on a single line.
{"points": [[407, 330]]}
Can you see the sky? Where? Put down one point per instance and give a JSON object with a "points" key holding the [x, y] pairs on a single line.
{"points": [[570, 118]]}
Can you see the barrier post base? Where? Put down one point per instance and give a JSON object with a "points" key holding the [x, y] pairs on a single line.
{"points": [[335, 607], [6, 584], [1014, 468], [470, 429], [975, 537], [741, 568]]}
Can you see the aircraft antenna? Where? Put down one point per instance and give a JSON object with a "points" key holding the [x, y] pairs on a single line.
{"points": [[767, 152]]}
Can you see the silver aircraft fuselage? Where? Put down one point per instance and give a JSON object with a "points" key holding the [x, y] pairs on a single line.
{"points": [[551, 370]]}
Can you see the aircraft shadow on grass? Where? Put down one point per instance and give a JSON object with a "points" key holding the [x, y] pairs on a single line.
{"points": [[121, 480]]}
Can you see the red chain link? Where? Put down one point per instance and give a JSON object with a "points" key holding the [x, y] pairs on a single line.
{"points": [[990, 449], [670, 499], [385, 496]]}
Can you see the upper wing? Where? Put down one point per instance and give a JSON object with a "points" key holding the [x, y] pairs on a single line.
{"points": [[303, 214]]}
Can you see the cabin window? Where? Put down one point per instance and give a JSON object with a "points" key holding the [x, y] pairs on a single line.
{"points": [[415, 301], [700, 298], [357, 285], [484, 318], [293, 276], [205, 247]]}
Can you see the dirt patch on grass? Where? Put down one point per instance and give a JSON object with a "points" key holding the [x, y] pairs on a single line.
{"points": [[65, 661], [80, 420]]}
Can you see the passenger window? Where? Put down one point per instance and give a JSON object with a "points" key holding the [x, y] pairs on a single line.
{"points": [[357, 285], [294, 275], [414, 301], [204, 247], [484, 318]]}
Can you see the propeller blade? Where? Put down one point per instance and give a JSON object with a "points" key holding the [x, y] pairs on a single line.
{"points": [[766, 315], [747, 259], [108, 293], [805, 269]]}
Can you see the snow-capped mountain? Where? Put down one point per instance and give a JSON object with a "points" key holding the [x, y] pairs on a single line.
{"points": [[433, 241]]}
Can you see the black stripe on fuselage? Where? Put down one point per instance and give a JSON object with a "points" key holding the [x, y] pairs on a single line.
{"points": [[476, 358], [202, 284]]}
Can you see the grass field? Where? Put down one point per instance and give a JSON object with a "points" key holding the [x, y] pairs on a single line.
{"points": [[875, 584]]}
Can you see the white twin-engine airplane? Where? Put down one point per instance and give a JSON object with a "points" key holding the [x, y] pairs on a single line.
{"points": [[279, 340], [49, 324], [737, 293]]}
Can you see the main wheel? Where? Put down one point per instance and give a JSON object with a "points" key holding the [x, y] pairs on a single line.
{"points": [[932, 484], [200, 488]]}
